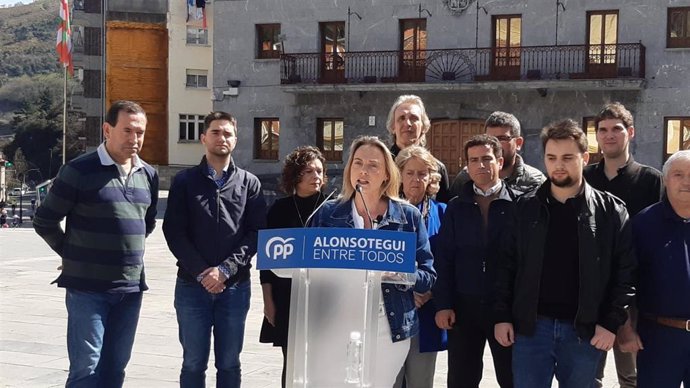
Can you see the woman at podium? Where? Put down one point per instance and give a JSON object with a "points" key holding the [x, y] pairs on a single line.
{"points": [[303, 177], [369, 199]]}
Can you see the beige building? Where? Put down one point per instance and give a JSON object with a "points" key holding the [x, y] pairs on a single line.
{"points": [[190, 67]]}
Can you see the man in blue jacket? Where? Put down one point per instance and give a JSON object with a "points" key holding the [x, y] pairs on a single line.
{"points": [[214, 213], [467, 241]]}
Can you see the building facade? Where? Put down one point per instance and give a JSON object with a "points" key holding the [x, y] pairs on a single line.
{"points": [[322, 72], [190, 74]]}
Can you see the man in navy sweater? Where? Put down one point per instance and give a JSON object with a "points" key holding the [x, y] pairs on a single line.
{"points": [[662, 236], [109, 200], [214, 214]]}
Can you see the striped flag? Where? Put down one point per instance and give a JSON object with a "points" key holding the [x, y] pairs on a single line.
{"points": [[64, 38]]}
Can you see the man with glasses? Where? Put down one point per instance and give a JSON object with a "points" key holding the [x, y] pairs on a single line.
{"points": [[518, 175]]}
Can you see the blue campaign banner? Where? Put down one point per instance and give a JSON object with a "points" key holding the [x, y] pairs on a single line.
{"points": [[345, 248]]}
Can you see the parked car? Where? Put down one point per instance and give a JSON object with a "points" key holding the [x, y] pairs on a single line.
{"points": [[17, 192]]}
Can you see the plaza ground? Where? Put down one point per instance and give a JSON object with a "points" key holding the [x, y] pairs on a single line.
{"points": [[33, 323]]}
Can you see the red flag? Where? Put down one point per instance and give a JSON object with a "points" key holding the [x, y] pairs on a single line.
{"points": [[64, 38]]}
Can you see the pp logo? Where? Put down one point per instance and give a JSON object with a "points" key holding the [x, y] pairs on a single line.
{"points": [[277, 248]]}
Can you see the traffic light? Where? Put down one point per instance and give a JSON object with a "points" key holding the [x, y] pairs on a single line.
{"points": [[8, 163], [42, 190]]}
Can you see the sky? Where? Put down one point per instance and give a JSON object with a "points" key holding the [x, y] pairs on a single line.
{"points": [[4, 3]]}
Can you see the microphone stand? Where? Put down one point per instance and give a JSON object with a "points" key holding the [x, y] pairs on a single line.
{"points": [[358, 188]]}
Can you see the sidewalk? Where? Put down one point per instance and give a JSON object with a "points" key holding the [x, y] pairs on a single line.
{"points": [[33, 324]]}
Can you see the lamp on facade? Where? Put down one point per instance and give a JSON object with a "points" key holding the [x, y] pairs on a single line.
{"points": [[350, 13]]}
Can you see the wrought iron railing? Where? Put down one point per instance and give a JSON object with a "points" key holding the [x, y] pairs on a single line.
{"points": [[625, 60]]}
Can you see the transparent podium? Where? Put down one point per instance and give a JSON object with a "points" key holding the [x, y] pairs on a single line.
{"points": [[335, 301]]}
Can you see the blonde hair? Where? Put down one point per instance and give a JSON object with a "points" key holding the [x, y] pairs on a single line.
{"points": [[390, 187], [429, 161], [412, 99]]}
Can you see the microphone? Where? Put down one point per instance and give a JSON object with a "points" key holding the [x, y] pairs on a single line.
{"points": [[358, 188], [319, 207]]}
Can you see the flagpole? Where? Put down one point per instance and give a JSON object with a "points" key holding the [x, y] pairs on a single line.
{"points": [[64, 117]]}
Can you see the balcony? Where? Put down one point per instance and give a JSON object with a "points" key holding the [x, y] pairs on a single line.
{"points": [[584, 67]]}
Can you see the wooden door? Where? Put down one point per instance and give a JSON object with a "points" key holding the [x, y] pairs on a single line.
{"points": [[448, 137], [332, 52], [137, 70], [506, 51], [602, 38], [412, 50]]}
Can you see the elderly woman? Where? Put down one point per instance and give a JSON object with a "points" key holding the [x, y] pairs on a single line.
{"points": [[304, 175], [371, 167], [420, 182]]}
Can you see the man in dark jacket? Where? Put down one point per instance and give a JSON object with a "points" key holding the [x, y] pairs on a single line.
{"points": [[636, 184], [408, 124], [214, 213], [520, 176], [566, 274], [469, 235]]}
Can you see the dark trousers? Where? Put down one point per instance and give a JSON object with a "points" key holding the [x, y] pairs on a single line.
{"points": [[466, 341], [665, 360]]}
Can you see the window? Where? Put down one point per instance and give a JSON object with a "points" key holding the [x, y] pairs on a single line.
{"points": [[507, 37], [266, 138], [197, 36], [593, 149], [92, 130], [197, 78], [92, 83], [92, 6], [268, 41], [191, 127], [676, 135], [92, 41], [602, 36], [678, 27], [329, 138]]}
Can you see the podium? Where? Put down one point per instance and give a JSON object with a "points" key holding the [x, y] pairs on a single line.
{"points": [[336, 297]]}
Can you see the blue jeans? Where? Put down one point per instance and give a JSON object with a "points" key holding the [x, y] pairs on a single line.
{"points": [[100, 335], [554, 348], [199, 311]]}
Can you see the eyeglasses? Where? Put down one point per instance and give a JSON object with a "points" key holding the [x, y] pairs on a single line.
{"points": [[505, 138]]}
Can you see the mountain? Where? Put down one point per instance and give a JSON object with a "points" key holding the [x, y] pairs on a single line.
{"points": [[27, 39]]}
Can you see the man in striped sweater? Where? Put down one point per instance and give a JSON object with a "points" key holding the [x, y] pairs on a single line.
{"points": [[108, 198]]}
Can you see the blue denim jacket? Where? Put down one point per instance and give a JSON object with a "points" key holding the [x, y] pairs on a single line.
{"points": [[401, 216]]}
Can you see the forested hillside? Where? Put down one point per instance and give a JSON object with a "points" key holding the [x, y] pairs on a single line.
{"points": [[27, 39]]}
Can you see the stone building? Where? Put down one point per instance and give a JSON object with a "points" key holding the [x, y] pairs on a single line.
{"points": [[323, 72]]}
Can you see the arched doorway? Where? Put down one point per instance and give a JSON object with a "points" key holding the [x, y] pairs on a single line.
{"points": [[446, 139]]}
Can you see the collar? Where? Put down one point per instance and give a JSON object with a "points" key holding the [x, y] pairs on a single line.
{"points": [[491, 191], [107, 160], [395, 150], [394, 215], [584, 199], [518, 169], [467, 193], [630, 168], [206, 168], [669, 213]]}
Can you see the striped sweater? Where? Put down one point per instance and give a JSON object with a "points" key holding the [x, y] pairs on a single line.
{"points": [[102, 246]]}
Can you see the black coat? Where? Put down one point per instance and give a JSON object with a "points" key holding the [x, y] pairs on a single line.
{"points": [[606, 266]]}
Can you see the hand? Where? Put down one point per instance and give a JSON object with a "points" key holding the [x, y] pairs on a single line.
{"points": [[628, 340], [603, 339], [213, 280], [270, 312], [504, 333], [445, 319], [420, 299]]}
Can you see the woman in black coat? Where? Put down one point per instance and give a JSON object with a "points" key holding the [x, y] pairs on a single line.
{"points": [[304, 175]]}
